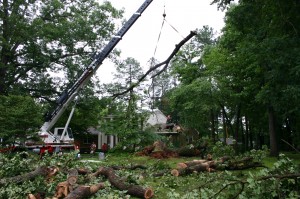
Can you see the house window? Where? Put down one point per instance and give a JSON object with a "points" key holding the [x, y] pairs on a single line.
{"points": [[87, 140], [189, 139]]}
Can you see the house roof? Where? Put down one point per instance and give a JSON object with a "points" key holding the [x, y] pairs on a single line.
{"points": [[156, 117], [93, 131]]}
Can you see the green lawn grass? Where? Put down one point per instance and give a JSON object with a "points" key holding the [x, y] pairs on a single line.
{"points": [[166, 184], [269, 161]]}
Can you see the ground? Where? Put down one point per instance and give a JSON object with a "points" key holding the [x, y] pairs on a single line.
{"points": [[168, 186]]}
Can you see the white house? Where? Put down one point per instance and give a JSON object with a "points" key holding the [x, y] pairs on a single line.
{"points": [[156, 118]]}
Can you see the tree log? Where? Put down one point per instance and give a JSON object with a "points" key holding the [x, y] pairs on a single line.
{"points": [[134, 190], [72, 176], [131, 167], [84, 191], [184, 168], [40, 171], [36, 196], [62, 189], [188, 170], [83, 171]]}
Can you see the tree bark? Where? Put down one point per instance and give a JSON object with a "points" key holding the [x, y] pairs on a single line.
{"points": [[40, 171], [164, 63], [134, 190], [194, 168], [84, 191], [213, 135], [224, 126], [237, 125], [273, 137], [224, 163], [246, 134], [72, 176]]}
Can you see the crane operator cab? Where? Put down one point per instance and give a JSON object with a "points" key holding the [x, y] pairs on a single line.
{"points": [[66, 136]]}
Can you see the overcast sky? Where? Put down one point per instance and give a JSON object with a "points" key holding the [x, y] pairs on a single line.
{"points": [[140, 41]]}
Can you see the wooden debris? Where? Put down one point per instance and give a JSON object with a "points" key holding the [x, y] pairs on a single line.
{"points": [[83, 171], [62, 189], [209, 165], [191, 169], [36, 196], [84, 191], [157, 150], [134, 190], [72, 176], [40, 171], [131, 167]]}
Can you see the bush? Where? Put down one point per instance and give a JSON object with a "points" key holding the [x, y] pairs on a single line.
{"points": [[220, 150]]}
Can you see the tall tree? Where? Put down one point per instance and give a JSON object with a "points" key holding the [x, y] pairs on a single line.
{"points": [[42, 38], [265, 42], [193, 98], [125, 113], [20, 118]]}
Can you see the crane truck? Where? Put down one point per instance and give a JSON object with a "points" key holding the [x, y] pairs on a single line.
{"points": [[63, 137]]}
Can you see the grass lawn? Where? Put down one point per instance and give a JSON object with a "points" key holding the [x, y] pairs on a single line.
{"points": [[269, 161], [166, 186]]}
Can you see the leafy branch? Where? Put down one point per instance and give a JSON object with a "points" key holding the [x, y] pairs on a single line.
{"points": [[263, 178], [165, 63]]}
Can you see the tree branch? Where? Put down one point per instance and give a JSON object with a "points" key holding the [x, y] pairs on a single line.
{"points": [[166, 63]]}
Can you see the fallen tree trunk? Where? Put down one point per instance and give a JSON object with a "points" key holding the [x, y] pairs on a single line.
{"points": [[134, 190], [183, 165], [131, 167], [224, 163], [40, 171], [84, 191], [191, 169], [244, 166], [83, 171]]}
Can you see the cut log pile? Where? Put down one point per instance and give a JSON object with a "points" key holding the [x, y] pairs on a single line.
{"points": [[210, 165], [70, 189]]}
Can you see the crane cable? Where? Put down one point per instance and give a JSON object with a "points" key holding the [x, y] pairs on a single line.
{"points": [[162, 25], [152, 60], [159, 35]]}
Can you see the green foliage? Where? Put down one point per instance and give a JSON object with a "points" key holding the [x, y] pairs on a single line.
{"points": [[193, 99], [221, 150], [17, 164], [259, 183], [20, 117], [258, 155], [49, 37]]}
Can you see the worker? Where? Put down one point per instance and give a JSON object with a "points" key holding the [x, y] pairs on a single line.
{"points": [[93, 148], [169, 123], [77, 152], [104, 148]]}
